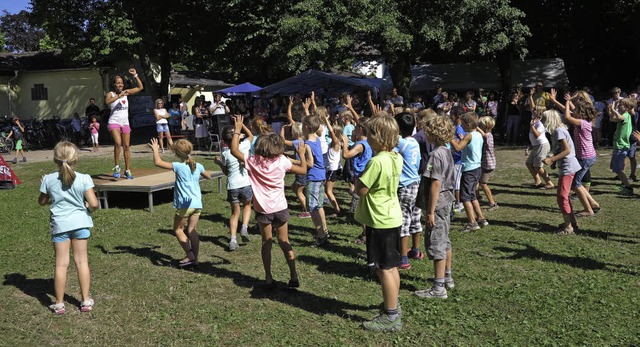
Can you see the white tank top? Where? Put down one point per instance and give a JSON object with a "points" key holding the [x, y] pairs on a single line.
{"points": [[119, 111], [162, 112], [333, 159]]}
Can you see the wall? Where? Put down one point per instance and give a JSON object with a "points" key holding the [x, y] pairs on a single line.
{"points": [[68, 91]]}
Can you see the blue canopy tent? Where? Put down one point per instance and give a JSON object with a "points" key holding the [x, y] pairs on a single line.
{"points": [[327, 83], [243, 89]]}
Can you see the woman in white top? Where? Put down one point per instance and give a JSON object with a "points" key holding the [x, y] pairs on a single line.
{"points": [[118, 125], [162, 124]]}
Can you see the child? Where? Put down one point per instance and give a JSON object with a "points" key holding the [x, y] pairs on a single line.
{"points": [[187, 198], [421, 137], [266, 169], [538, 151], [258, 127], [17, 131], [439, 177], [334, 156], [564, 154], [486, 124], [439, 183], [471, 148], [409, 149], [379, 211], [94, 126], [238, 186], [66, 192], [621, 145], [300, 182], [457, 160], [316, 176]]}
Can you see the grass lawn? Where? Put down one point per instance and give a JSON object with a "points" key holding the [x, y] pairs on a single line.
{"points": [[517, 282]]}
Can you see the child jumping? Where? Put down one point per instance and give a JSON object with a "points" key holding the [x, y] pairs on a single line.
{"points": [[187, 197], [266, 169], [439, 184], [379, 211], [238, 185], [72, 198]]}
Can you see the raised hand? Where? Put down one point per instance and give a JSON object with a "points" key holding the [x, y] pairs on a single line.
{"points": [[154, 144], [553, 93], [133, 71], [349, 99], [238, 123]]}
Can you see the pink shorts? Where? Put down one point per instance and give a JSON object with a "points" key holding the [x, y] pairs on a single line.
{"points": [[125, 129]]}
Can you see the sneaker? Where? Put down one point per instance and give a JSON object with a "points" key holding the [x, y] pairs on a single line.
{"points": [[86, 305], [382, 323], [321, 241], [483, 223], [15, 160], [304, 215], [128, 175], [633, 178], [406, 266], [233, 245], [431, 293], [458, 207], [626, 190], [470, 227], [24, 160], [58, 308], [245, 236], [416, 255], [116, 171], [361, 239], [493, 207]]}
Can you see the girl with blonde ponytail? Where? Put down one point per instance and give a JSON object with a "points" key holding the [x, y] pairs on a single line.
{"points": [[71, 197], [187, 197]]}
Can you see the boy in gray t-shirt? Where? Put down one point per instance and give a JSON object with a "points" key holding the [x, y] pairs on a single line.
{"points": [[437, 196]]}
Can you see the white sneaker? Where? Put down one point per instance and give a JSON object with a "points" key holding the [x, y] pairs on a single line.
{"points": [[245, 236], [233, 245], [431, 293]]}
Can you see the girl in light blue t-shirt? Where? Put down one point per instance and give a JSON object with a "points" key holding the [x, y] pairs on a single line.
{"points": [[71, 197], [187, 197]]}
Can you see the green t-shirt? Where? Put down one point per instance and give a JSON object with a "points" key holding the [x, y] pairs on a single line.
{"points": [[623, 131], [380, 208]]}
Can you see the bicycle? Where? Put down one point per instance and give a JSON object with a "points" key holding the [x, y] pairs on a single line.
{"points": [[6, 145]]}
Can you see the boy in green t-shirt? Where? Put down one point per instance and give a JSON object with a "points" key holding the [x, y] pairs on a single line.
{"points": [[621, 143], [379, 211]]}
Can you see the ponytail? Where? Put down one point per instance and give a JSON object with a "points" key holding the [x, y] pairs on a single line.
{"points": [[65, 154], [67, 173], [191, 162]]}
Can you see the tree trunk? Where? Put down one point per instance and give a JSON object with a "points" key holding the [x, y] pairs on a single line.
{"points": [[149, 81], [400, 71]]}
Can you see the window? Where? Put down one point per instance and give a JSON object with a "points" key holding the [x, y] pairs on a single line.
{"points": [[39, 92]]}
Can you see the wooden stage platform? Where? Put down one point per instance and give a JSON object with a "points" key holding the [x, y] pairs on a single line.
{"points": [[144, 181]]}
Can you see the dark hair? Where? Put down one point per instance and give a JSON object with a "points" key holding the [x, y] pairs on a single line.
{"points": [[227, 133], [406, 123]]}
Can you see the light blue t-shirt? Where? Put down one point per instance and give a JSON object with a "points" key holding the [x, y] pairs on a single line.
{"points": [[237, 175], [472, 153], [186, 192], [409, 149], [348, 130], [68, 211]]}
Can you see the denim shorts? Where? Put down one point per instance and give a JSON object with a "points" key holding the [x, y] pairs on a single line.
{"points": [[585, 165], [236, 196], [315, 195], [162, 127], [469, 183], [73, 234], [617, 159], [632, 150]]}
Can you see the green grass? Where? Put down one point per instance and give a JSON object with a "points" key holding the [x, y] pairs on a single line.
{"points": [[517, 283]]}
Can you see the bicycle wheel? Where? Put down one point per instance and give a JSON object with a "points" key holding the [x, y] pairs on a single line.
{"points": [[9, 145]]}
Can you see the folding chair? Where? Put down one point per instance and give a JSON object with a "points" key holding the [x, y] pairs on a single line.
{"points": [[214, 140]]}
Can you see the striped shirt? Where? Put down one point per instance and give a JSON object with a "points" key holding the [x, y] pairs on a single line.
{"points": [[583, 140]]}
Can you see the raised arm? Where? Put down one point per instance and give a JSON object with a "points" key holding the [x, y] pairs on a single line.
{"points": [[139, 87], [532, 126], [289, 113], [156, 156], [247, 131], [532, 104], [371, 104], [235, 141], [350, 153], [286, 142], [313, 100], [300, 169], [355, 114], [305, 106], [552, 96], [567, 114], [614, 115]]}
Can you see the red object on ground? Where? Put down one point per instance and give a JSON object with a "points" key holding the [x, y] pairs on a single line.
{"points": [[6, 171]]}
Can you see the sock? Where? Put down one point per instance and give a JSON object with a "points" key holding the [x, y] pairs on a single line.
{"points": [[438, 285], [233, 238], [244, 228], [392, 313], [447, 274], [405, 259]]}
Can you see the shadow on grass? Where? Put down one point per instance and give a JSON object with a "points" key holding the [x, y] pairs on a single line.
{"points": [[534, 226], [530, 252], [528, 207], [39, 288], [307, 301]]}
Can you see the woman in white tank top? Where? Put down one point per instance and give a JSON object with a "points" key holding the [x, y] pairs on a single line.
{"points": [[118, 125], [162, 124]]}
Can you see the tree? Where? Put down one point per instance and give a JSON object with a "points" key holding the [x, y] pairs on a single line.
{"points": [[19, 33]]}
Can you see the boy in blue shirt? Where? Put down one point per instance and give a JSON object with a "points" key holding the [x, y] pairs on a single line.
{"points": [[316, 176], [409, 149]]}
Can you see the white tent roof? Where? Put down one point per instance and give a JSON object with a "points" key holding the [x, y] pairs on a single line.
{"points": [[486, 75]]}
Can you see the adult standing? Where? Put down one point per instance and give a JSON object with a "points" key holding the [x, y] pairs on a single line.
{"points": [[218, 109], [92, 109], [199, 115], [175, 119], [396, 100], [162, 124], [184, 110], [118, 125]]}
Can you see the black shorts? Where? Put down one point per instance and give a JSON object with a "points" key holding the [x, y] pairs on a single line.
{"points": [[469, 183], [332, 176], [275, 218], [383, 247]]}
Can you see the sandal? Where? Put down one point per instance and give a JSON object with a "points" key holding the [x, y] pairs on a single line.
{"points": [[585, 214], [546, 187], [188, 261], [58, 308], [86, 305], [565, 231]]}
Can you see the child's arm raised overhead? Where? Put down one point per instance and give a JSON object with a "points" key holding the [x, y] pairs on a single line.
{"points": [[614, 115], [371, 104], [235, 141], [458, 145], [156, 156], [552, 96], [289, 113], [305, 106], [334, 139], [300, 169], [355, 114], [246, 130], [565, 152], [567, 115], [286, 142], [313, 101]]}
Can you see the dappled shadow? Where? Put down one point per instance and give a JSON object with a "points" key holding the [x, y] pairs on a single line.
{"points": [[39, 288], [529, 207], [530, 252]]}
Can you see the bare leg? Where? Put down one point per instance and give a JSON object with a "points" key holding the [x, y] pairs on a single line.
{"points": [[81, 259], [282, 232], [477, 209], [267, 241], [117, 143], [329, 191], [233, 221], [169, 139], [60, 274], [390, 282], [161, 141], [246, 213], [126, 148], [468, 210], [487, 193], [404, 246], [319, 221], [299, 190], [543, 174], [194, 240], [534, 173]]}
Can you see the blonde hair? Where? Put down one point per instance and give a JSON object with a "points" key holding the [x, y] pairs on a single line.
{"points": [[552, 121], [486, 123], [423, 115], [384, 131], [269, 145], [157, 101], [338, 131], [440, 128], [182, 148], [258, 126], [628, 103], [322, 111], [348, 115], [296, 130], [470, 118], [65, 154]]}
